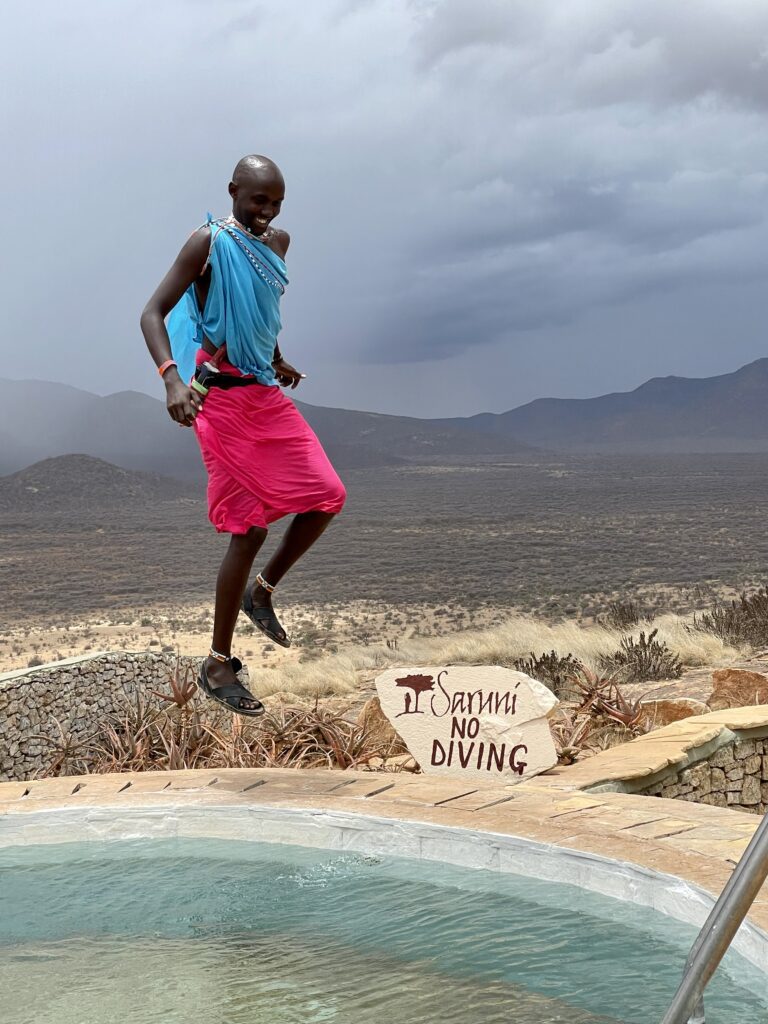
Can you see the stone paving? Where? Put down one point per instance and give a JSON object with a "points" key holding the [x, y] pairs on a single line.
{"points": [[635, 766], [695, 842]]}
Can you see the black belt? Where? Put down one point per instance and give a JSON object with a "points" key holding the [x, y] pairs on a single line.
{"points": [[207, 377]]}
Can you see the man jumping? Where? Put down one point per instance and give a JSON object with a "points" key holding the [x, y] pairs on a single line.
{"points": [[221, 365]]}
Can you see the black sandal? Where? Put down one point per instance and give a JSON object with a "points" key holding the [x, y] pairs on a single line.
{"points": [[231, 695], [263, 617]]}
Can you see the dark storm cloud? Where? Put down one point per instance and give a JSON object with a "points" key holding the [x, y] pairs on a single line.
{"points": [[466, 179], [611, 51], [604, 150]]}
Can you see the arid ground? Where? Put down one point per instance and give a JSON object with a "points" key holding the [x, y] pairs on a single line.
{"points": [[419, 551]]}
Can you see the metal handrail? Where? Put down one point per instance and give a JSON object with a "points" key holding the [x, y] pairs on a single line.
{"points": [[719, 929]]}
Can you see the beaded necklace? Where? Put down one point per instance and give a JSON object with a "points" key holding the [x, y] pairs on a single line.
{"points": [[266, 236], [260, 266]]}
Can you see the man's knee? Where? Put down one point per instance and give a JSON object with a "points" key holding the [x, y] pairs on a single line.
{"points": [[253, 538]]}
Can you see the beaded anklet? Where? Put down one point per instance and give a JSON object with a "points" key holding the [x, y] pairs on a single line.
{"points": [[263, 583]]}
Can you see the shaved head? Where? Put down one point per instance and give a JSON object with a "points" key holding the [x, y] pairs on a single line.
{"points": [[255, 166], [257, 189]]}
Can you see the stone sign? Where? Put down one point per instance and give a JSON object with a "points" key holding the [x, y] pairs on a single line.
{"points": [[486, 722]]}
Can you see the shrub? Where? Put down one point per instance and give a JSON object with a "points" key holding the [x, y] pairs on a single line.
{"points": [[34, 661], [623, 615], [602, 697], [570, 732], [308, 636], [642, 660], [597, 717], [554, 671], [742, 622]]}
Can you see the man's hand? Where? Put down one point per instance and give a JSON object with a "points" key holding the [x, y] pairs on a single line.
{"points": [[286, 374], [182, 402]]}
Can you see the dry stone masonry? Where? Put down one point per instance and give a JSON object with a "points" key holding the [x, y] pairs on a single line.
{"points": [[74, 694], [720, 759], [734, 776]]}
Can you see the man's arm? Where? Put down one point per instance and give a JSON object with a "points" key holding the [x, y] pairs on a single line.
{"points": [[182, 403], [282, 241], [286, 373]]}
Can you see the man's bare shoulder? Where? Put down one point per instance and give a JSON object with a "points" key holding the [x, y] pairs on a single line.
{"points": [[194, 253], [199, 242], [282, 241]]}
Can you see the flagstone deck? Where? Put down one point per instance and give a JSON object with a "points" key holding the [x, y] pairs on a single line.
{"points": [[699, 844], [632, 765], [569, 824]]}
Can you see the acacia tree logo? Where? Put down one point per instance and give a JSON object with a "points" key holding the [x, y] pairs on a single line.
{"points": [[419, 685]]}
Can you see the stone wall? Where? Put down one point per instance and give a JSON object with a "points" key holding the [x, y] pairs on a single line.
{"points": [[74, 693], [735, 776], [720, 758]]}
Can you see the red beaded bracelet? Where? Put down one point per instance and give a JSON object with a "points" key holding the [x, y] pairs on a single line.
{"points": [[164, 366]]}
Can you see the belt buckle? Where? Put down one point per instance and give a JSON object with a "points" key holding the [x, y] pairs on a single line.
{"points": [[204, 378]]}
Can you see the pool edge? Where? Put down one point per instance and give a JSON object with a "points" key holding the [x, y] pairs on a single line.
{"points": [[670, 857]]}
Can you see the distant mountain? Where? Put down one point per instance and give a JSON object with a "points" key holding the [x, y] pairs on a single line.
{"points": [[76, 481], [399, 439], [40, 419], [666, 414]]}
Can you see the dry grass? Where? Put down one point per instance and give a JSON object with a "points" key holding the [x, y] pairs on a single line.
{"points": [[186, 629], [180, 731], [514, 638], [694, 647]]}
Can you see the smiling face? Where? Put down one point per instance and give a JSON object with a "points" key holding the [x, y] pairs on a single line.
{"points": [[257, 191]]}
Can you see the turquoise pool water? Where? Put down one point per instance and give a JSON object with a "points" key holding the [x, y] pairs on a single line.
{"points": [[214, 932]]}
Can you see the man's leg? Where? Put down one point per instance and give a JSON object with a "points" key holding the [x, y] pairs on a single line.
{"points": [[230, 584], [304, 530]]}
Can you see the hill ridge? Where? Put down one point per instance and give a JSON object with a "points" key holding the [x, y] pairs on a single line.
{"points": [[71, 481], [726, 412], [41, 419]]}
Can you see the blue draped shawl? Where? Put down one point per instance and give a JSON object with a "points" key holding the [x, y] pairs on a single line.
{"points": [[242, 308]]}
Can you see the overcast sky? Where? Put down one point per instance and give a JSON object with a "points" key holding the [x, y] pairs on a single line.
{"points": [[490, 200]]}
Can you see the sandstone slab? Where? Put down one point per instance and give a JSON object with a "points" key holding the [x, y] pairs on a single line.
{"points": [[483, 723], [737, 688], [658, 713]]}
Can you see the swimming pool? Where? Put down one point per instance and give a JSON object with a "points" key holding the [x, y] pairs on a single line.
{"points": [[179, 929]]}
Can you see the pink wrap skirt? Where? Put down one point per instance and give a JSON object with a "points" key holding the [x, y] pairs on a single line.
{"points": [[263, 459]]}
